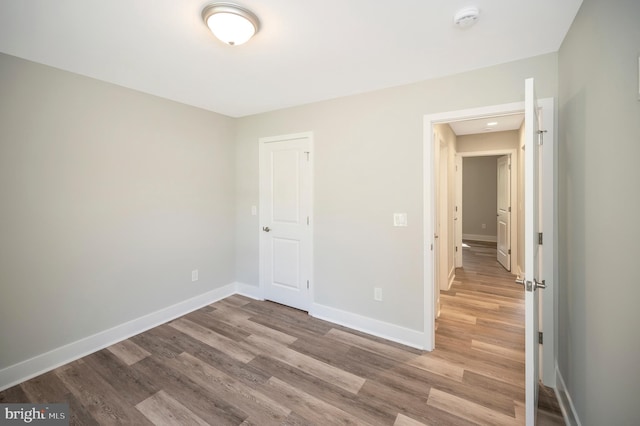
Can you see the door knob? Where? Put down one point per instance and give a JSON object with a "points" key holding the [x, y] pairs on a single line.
{"points": [[520, 281], [266, 229], [540, 284]]}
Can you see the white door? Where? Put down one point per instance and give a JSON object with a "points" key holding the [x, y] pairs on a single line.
{"points": [[443, 193], [504, 212], [458, 212], [285, 219], [437, 244], [531, 249]]}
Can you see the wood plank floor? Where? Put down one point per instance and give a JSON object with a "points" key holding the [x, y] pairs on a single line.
{"points": [[246, 362]]}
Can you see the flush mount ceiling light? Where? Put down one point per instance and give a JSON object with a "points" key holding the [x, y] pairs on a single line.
{"points": [[490, 126], [464, 18], [230, 23]]}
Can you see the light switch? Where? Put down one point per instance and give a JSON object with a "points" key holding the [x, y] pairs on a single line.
{"points": [[254, 210], [399, 219], [377, 294]]}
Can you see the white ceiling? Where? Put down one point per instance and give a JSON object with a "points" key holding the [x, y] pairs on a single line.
{"points": [[306, 50], [487, 125]]}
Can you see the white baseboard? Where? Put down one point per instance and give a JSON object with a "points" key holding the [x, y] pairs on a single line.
{"points": [[25, 370], [566, 403], [478, 237], [251, 291], [395, 333]]}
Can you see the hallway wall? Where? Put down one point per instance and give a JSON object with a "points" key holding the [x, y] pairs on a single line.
{"points": [[488, 141], [479, 197]]}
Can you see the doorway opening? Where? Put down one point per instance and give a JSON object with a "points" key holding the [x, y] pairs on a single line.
{"points": [[488, 197], [480, 217], [469, 205], [485, 221], [432, 224]]}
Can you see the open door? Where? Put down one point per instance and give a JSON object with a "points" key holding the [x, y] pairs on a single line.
{"points": [[531, 280], [504, 212]]}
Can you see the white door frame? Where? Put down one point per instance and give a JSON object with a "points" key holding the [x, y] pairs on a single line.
{"points": [[443, 219], [458, 213], [549, 218], [261, 143], [512, 153]]}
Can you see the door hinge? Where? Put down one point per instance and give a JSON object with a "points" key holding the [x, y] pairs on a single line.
{"points": [[307, 152], [541, 136], [509, 209], [307, 220], [509, 251], [540, 238], [456, 249], [307, 284], [540, 337], [456, 208], [431, 247]]}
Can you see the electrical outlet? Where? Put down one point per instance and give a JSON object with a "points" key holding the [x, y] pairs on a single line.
{"points": [[377, 294], [484, 226], [194, 275]]}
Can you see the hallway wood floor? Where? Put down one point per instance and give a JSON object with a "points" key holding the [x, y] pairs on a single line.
{"points": [[246, 362]]}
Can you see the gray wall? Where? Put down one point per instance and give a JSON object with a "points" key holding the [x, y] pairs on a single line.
{"points": [[109, 198], [368, 165], [599, 200], [479, 196]]}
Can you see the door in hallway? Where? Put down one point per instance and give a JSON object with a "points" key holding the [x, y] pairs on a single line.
{"points": [[504, 212]]}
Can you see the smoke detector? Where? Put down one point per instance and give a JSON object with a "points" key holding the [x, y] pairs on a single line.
{"points": [[464, 18]]}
